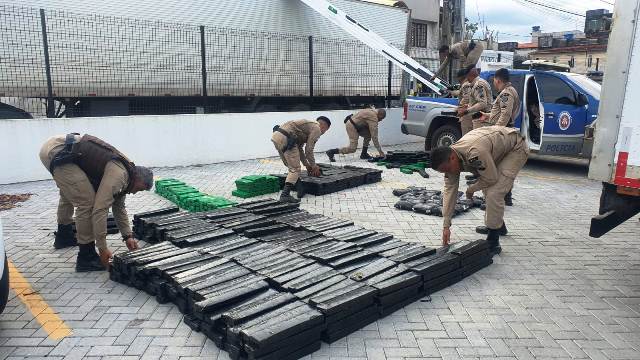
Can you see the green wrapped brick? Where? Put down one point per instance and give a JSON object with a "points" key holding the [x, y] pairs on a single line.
{"points": [[256, 185], [188, 197]]}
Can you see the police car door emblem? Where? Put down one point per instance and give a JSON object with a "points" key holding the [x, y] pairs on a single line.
{"points": [[564, 120]]}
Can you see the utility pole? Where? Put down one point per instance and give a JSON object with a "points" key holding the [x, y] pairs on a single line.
{"points": [[452, 26]]}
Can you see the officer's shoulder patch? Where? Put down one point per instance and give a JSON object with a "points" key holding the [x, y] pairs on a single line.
{"points": [[475, 162], [505, 97]]}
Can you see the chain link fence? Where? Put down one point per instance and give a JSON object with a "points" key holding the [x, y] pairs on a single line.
{"points": [[92, 56]]}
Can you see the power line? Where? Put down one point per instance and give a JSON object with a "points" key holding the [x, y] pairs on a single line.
{"points": [[606, 2], [537, 10], [553, 8]]}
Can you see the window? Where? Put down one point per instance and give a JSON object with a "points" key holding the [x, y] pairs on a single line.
{"points": [[555, 91], [516, 80], [418, 35]]}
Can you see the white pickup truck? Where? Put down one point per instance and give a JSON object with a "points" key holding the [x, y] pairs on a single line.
{"points": [[568, 106]]}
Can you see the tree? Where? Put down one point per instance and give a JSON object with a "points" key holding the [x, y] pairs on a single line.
{"points": [[470, 29]]}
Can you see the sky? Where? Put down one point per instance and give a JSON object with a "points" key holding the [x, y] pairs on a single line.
{"points": [[513, 19]]}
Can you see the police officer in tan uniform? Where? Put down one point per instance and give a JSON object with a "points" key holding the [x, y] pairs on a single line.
{"points": [[463, 102], [468, 52], [504, 111], [92, 177], [288, 139], [479, 96], [364, 123], [506, 107], [495, 154]]}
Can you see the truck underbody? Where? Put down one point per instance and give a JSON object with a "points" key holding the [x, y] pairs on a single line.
{"points": [[615, 208]]}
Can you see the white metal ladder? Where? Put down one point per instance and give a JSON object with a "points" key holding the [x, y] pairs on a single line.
{"points": [[377, 43]]}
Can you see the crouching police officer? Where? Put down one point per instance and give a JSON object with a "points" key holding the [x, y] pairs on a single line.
{"points": [[364, 123], [92, 177], [495, 154], [288, 139]]}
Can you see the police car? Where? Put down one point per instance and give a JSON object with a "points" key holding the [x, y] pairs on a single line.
{"points": [[557, 112]]}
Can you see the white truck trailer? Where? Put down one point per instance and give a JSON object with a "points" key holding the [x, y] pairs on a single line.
{"points": [[615, 157]]}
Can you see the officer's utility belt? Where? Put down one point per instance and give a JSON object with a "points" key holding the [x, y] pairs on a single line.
{"points": [[359, 129], [291, 141], [66, 155], [472, 45]]}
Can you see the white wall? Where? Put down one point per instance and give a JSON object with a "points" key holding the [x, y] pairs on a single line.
{"points": [[426, 10], [172, 140]]}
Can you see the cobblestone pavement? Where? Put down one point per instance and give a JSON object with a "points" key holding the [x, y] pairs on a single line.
{"points": [[554, 292]]}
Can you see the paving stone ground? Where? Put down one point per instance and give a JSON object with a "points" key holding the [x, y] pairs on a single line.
{"points": [[554, 292]]}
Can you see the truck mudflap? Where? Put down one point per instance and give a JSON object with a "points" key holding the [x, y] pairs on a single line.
{"points": [[615, 208]]}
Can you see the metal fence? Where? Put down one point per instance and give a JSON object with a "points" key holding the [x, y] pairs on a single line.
{"points": [[55, 54]]}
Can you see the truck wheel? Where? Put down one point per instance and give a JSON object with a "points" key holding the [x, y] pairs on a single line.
{"points": [[445, 135], [4, 286]]}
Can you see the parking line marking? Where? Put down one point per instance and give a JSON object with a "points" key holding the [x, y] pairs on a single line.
{"points": [[55, 327], [539, 177]]}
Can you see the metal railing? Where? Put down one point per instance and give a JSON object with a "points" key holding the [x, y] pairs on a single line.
{"points": [[60, 55]]}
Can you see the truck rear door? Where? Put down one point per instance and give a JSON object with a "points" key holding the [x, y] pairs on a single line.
{"points": [[564, 115]]}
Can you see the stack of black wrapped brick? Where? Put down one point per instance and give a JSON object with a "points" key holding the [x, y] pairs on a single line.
{"points": [[335, 178], [265, 280], [398, 158]]}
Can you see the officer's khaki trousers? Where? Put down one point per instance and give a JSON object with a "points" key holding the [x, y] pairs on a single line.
{"points": [[290, 158], [75, 191], [354, 136], [466, 124], [508, 169]]}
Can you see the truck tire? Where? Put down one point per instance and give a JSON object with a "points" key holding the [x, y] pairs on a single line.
{"points": [[4, 286], [445, 135]]}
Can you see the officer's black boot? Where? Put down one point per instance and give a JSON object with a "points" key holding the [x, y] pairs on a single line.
{"points": [[331, 154], [365, 155], [88, 259], [300, 189], [493, 238], [485, 230], [471, 177], [64, 237], [285, 196], [508, 200]]}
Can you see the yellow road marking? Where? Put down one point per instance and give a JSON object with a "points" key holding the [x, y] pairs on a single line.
{"points": [[392, 184], [269, 161], [46, 316]]}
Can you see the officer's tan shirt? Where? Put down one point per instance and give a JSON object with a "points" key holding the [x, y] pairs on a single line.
{"points": [[305, 132], [368, 120], [505, 108], [479, 151], [110, 194], [463, 94], [460, 51], [479, 96]]}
